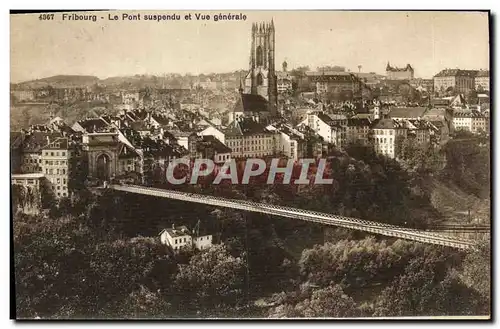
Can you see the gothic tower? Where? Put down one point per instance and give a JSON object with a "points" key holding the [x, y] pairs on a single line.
{"points": [[261, 78]]}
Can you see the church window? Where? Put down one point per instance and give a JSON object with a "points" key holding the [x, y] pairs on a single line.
{"points": [[259, 56], [259, 80]]}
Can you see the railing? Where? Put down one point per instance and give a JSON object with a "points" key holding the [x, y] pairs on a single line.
{"points": [[305, 215]]}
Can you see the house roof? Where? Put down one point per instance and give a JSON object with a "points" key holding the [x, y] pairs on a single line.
{"points": [[93, 124], [456, 72], [360, 122], [467, 114], [161, 119], [407, 112], [390, 68], [28, 176], [250, 127], [483, 73], [251, 103], [35, 141], [58, 144], [177, 231], [212, 142], [387, 124], [139, 125]]}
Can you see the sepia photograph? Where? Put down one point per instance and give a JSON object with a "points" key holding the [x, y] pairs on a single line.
{"points": [[250, 164]]}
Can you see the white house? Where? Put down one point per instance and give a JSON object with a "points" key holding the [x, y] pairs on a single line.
{"points": [[321, 125], [202, 242], [290, 141], [179, 237], [176, 237]]}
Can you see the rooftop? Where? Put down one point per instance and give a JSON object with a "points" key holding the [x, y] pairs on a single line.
{"points": [[28, 176], [387, 124], [251, 103], [175, 232], [407, 112], [456, 72], [211, 141]]}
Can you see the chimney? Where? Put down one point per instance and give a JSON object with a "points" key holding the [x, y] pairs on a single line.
{"points": [[173, 226], [48, 140]]}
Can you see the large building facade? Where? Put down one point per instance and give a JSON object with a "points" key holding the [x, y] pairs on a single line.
{"points": [[460, 81], [396, 73]]}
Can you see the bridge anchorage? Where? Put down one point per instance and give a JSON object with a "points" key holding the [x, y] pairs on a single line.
{"points": [[305, 215]]}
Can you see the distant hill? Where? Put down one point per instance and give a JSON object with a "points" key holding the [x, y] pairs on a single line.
{"points": [[61, 81], [133, 82]]}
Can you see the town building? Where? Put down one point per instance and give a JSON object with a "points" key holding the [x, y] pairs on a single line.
{"points": [[482, 80], [472, 121], [386, 133], [179, 237], [57, 165], [332, 130], [291, 142], [402, 113], [334, 82], [358, 130], [249, 138], [16, 145], [456, 80], [396, 73], [23, 95], [209, 147], [31, 154], [284, 82]]}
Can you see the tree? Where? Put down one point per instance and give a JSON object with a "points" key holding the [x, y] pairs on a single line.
{"points": [[427, 289], [212, 278], [329, 302], [476, 270]]}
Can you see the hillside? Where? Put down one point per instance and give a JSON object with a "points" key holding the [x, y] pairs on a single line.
{"points": [[61, 81], [453, 203]]}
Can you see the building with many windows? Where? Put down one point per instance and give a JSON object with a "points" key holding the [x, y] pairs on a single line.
{"points": [[473, 121], [334, 82], [385, 135], [57, 165], [482, 81], [460, 81], [250, 139], [358, 130]]}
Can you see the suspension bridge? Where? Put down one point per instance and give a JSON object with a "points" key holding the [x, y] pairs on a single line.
{"points": [[305, 215]]}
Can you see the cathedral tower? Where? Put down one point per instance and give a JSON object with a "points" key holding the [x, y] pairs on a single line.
{"points": [[261, 78]]}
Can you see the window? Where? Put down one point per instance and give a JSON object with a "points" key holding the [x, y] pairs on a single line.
{"points": [[51, 154], [64, 171], [63, 153], [58, 181], [175, 241], [51, 171], [58, 187], [57, 170]]}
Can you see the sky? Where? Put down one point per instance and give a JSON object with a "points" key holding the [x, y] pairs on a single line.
{"points": [[429, 41]]}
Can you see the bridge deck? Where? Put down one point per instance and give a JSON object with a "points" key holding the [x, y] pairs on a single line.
{"points": [[305, 215]]}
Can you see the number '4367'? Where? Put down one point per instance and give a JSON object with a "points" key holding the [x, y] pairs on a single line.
{"points": [[46, 17]]}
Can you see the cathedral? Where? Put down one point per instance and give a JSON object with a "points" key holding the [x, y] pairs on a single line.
{"points": [[259, 93]]}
